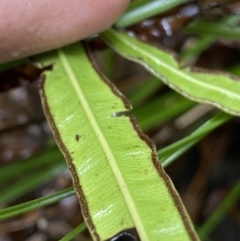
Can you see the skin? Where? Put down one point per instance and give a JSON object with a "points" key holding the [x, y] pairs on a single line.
{"points": [[30, 27]]}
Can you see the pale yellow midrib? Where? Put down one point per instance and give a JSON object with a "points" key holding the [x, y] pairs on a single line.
{"points": [[107, 150]]}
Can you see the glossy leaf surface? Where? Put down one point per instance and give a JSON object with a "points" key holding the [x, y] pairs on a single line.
{"points": [[218, 89], [114, 166]]}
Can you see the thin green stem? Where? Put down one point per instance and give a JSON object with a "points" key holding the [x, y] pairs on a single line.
{"points": [[12, 64], [168, 154], [206, 40], [144, 91], [30, 182], [34, 204], [214, 29], [159, 110], [80, 228], [220, 212], [146, 10], [8, 171], [202, 44]]}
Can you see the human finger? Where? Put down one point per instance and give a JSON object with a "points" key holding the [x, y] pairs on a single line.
{"points": [[33, 26]]}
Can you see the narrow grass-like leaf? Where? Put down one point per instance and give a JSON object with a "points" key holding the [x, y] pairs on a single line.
{"points": [[224, 207], [219, 89], [30, 182], [34, 204], [214, 29], [137, 3], [162, 109], [202, 44], [146, 10], [12, 64], [121, 186], [81, 227], [235, 69], [206, 39], [170, 153], [144, 91], [8, 172]]}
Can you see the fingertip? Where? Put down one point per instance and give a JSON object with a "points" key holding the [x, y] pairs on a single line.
{"points": [[32, 27]]}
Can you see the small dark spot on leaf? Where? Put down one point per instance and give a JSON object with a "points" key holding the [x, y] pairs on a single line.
{"points": [[77, 137]]}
